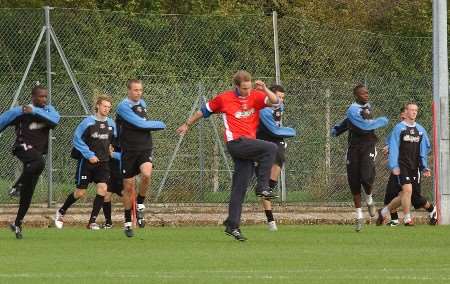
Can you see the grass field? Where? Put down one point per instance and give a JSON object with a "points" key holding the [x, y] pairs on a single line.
{"points": [[294, 254]]}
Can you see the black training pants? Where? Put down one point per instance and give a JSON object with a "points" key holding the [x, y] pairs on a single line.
{"points": [[244, 153], [361, 167]]}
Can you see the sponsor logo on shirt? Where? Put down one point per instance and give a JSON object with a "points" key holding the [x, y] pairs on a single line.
{"points": [[244, 114], [36, 125], [409, 138], [97, 135]]}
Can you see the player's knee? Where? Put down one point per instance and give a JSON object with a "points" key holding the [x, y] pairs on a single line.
{"points": [[79, 193], [101, 189], [35, 167]]}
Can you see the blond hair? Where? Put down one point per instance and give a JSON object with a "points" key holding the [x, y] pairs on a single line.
{"points": [[241, 76]]}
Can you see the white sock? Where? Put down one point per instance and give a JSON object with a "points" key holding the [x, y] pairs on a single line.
{"points": [[369, 199], [384, 211], [359, 213], [407, 217]]}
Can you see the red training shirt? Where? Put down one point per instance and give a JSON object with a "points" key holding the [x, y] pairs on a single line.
{"points": [[240, 114]]}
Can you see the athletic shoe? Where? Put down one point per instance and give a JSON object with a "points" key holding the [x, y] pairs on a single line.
{"points": [[267, 193], [106, 226], [359, 224], [59, 221], [140, 215], [380, 219], [14, 192], [236, 233], [372, 210], [393, 223], [433, 217], [128, 229], [408, 223], [272, 226], [17, 230], [93, 226]]}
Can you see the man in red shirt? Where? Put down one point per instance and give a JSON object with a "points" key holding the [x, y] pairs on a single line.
{"points": [[240, 111]]}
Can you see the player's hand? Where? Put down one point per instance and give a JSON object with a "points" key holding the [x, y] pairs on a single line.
{"points": [[94, 160], [27, 109], [111, 150], [385, 150], [260, 85], [396, 171], [427, 173], [182, 129]]}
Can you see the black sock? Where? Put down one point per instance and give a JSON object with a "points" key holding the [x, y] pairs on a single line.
{"points": [[394, 216], [107, 212], [127, 215], [269, 215], [69, 201], [140, 199], [431, 208], [98, 202], [272, 184]]}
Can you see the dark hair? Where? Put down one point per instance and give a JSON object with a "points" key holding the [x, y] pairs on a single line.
{"points": [[133, 81], [276, 88], [357, 87], [36, 89], [241, 76]]}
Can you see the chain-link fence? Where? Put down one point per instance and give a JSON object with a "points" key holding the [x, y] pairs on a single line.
{"points": [[185, 59]]}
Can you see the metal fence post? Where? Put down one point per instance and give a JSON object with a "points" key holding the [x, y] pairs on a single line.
{"points": [[49, 87]]}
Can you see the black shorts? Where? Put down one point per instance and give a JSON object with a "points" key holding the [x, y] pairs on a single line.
{"points": [[394, 187], [115, 183], [361, 166], [87, 173], [280, 158], [131, 162], [408, 176]]}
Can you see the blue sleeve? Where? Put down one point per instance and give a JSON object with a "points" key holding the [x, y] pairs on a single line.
{"points": [[354, 115], [48, 113], [266, 118], [78, 141], [125, 111], [8, 116], [205, 111], [117, 155], [113, 125], [394, 147], [339, 128], [425, 147]]}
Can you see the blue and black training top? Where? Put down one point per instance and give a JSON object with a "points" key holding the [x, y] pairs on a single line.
{"points": [[32, 129], [93, 137], [409, 146], [360, 124], [134, 128], [270, 127]]}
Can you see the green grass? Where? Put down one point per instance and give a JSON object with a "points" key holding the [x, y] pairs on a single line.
{"points": [[294, 254]]}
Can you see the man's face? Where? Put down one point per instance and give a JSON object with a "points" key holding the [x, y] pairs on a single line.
{"points": [[103, 108], [280, 95], [135, 92], [362, 95], [245, 88], [411, 111], [40, 98]]}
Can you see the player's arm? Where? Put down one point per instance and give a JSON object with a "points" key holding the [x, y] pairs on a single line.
{"points": [[112, 124], [354, 115], [126, 113], [425, 147], [394, 147], [339, 128], [9, 116], [206, 110], [271, 99], [78, 142], [48, 113], [266, 118], [116, 155]]}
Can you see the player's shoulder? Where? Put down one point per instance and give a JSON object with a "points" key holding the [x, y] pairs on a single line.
{"points": [[420, 128]]}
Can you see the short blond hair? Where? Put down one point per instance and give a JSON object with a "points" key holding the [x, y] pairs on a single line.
{"points": [[100, 98], [241, 76]]}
